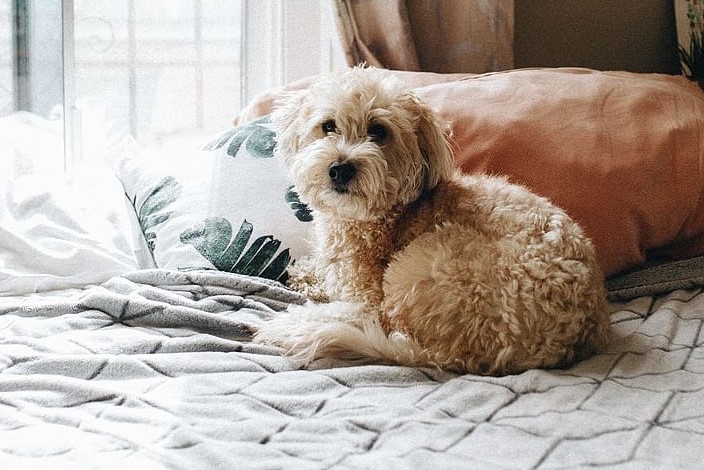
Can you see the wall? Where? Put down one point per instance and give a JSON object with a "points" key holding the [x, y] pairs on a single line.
{"points": [[634, 35]]}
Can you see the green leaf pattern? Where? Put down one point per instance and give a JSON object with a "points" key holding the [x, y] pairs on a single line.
{"points": [[150, 212], [213, 239], [300, 209], [258, 139]]}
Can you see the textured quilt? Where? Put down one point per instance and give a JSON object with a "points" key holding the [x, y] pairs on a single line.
{"points": [[153, 370]]}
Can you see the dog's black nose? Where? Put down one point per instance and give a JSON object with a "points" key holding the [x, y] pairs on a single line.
{"points": [[341, 174]]}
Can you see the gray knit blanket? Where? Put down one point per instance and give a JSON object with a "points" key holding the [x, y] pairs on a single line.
{"points": [[154, 370]]}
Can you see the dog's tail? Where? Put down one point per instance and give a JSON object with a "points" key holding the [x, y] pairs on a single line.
{"points": [[319, 335]]}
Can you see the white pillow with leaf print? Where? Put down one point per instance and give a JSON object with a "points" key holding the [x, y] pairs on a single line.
{"points": [[229, 206]]}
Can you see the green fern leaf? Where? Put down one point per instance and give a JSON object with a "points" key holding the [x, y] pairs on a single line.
{"points": [[257, 138], [150, 212], [278, 268], [214, 241], [236, 142], [229, 256], [261, 143], [210, 238], [220, 140], [265, 249], [300, 209]]}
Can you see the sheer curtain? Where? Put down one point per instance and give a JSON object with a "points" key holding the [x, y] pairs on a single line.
{"points": [[445, 36]]}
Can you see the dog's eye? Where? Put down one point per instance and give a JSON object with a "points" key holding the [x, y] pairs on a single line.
{"points": [[328, 127], [377, 132]]}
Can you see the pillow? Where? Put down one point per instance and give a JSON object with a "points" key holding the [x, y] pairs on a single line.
{"points": [[229, 206], [621, 152]]}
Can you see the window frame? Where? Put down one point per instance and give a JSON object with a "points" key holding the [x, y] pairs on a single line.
{"points": [[73, 142], [282, 31]]}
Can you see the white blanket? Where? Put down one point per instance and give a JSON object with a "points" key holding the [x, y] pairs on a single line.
{"points": [[153, 370], [60, 230]]}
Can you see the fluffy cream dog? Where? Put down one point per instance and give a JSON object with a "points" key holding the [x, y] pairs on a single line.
{"points": [[414, 263]]}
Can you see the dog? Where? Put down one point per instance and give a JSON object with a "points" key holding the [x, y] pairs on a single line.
{"points": [[414, 263]]}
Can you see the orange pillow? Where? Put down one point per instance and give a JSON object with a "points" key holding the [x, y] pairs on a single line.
{"points": [[622, 153]]}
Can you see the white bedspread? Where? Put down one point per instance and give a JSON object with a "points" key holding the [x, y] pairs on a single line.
{"points": [[152, 370], [60, 230]]}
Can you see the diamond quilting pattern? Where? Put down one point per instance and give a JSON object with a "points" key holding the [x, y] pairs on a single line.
{"points": [[82, 384]]}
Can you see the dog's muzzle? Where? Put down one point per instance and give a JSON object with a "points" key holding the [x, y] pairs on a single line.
{"points": [[341, 174]]}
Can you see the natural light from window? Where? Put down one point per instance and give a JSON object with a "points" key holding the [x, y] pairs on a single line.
{"points": [[164, 71], [158, 67]]}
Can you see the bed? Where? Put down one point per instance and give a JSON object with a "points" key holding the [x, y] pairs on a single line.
{"points": [[130, 288]]}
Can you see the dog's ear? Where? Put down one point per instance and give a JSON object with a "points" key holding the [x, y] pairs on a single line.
{"points": [[288, 119], [433, 142]]}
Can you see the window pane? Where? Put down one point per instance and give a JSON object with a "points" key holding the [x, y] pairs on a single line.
{"points": [[44, 93], [30, 77], [31, 140], [220, 103], [158, 68], [167, 101]]}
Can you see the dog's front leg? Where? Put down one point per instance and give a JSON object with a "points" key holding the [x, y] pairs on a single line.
{"points": [[304, 278]]}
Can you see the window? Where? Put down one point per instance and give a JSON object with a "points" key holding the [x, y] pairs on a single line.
{"points": [[162, 70]]}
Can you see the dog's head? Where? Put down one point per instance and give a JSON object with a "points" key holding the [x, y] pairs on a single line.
{"points": [[357, 145]]}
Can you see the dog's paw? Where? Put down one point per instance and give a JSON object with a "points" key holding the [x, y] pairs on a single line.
{"points": [[303, 278]]}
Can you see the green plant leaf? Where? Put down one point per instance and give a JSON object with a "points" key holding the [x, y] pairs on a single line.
{"points": [[164, 193], [214, 241], [236, 142], [258, 256], [259, 141], [227, 260], [210, 238], [220, 140], [150, 212], [692, 59], [300, 209], [278, 268]]}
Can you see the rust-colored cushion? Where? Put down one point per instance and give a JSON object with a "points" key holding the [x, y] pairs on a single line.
{"points": [[622, 153]]}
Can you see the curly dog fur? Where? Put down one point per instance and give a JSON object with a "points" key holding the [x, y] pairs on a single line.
{"points": [[414, 263]]}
